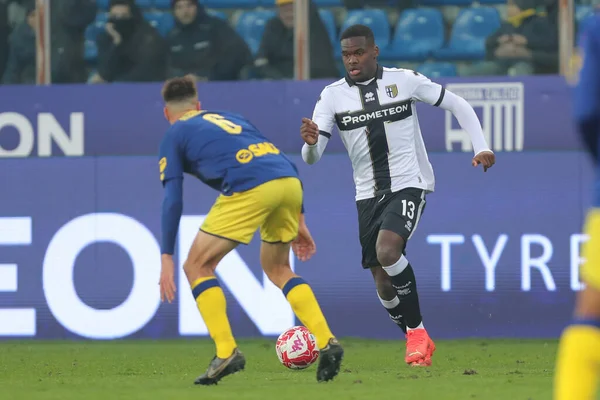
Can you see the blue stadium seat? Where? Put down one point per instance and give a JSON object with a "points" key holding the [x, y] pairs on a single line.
{"points": [[329, 21], [91, 51], [318, 3], [231, 3], [251, 25], [328, 3], [102, 5], [437, 69], [162, 4], [582, 12], [218, 14], [93, 29], [163, 22], [463, 3], [419, 32], [376, 19], [469, 32], [101, 19], [144, 4]]}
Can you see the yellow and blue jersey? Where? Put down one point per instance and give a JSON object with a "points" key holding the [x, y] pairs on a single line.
{"points": [[223, 150], [226, 152], [586, 104], [586, 109]]}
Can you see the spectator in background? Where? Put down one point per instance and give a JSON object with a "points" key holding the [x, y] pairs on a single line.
{"points": [[204, 46], [275, 59], [4, 34], [21, 67], [525, 44], [130, 49], [69, 18]]}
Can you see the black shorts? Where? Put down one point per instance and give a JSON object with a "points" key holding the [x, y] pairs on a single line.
{"points": [[398, 212]]}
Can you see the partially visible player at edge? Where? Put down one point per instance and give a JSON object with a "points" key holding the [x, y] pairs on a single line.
{"points": [[260, 188], [374, 110], [578, 361]]}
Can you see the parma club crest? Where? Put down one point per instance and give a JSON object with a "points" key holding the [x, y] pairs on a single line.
{"points": [[391, 91]]}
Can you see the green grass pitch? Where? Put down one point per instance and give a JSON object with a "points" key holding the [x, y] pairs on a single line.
{"points": [[462, 369]]}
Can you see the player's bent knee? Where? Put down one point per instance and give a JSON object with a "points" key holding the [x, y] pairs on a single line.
{"points": [[194, 271], [389, 247], [388, 254]]}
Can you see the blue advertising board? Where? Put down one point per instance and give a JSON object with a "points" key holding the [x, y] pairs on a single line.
{"points": [[496, 253], [127, 119]]}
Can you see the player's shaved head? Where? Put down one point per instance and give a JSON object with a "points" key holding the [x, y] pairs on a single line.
{"points": [[180, 96]]}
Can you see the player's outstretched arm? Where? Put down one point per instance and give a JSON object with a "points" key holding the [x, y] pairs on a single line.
{"points": [[467, 118], [432, 93]]}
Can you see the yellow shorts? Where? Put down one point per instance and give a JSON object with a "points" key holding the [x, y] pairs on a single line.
{"points": [[590, 270], [274, 207]]}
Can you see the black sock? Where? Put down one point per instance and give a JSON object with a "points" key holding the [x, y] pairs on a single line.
{"points": [[403, 280], [394, 309]]}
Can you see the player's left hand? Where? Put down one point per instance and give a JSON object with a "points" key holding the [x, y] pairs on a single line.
{"points": [[304, 246], [485, 158], [167, 278]]}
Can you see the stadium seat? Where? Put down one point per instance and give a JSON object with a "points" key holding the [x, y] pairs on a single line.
{"points": [[419, 32], [218, 14], [101, 19], [318, 3], [162, 4], [329, 21], [231, 3], [463, 3], [144, 4], [582, 12], [91, 32], [437, 69], [93, 29], [376, 19], [163, 22], [469, 32], [251, 25], [91, 51], [102, 5], [328, 3]]}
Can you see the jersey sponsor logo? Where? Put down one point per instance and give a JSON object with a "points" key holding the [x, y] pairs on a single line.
{"points": [[501, 108], [385, 113], [391, 91], [244, 156]]}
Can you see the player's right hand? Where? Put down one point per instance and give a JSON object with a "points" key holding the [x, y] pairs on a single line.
{"points": [[309, 131], [167, 279]]}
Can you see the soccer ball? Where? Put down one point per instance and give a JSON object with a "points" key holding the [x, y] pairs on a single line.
{"points": [[296, 348]]}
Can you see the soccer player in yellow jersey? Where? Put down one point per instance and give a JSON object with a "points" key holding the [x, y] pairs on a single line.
{"points": [[260, 188], [578, 364]]}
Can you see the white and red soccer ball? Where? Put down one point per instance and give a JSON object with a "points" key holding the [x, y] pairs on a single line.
{"points": [[297, 348]]}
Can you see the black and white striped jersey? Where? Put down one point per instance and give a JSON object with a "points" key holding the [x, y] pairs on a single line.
{"points": [[378, 124]]}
